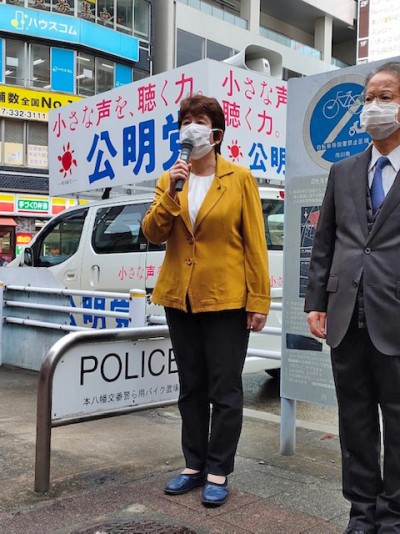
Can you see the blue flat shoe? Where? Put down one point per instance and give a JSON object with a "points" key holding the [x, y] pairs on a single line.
{"points": [[215, 494], [184, 483]]}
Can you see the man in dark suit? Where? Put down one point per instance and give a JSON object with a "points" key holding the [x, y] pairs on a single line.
{"points": [[353, 299]]}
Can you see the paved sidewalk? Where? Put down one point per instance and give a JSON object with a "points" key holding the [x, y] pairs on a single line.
{"points": [[108, 476]]}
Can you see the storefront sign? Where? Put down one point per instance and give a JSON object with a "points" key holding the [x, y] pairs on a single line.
{"points": [[378, 35], [21, 241], [32, 205], [28, 104], [68, 29]]}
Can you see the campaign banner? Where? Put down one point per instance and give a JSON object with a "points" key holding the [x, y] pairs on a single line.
{"points": [[130, 134]]}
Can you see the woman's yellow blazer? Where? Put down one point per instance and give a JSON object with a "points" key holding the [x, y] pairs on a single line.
{"points": [[221, 263]]}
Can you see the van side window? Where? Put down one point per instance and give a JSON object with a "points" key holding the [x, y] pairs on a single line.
{"points": [[117, 229], [273, 221], [61, 240]]}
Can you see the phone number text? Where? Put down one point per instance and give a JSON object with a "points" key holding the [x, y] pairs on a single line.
{"points": [[24, 114]]}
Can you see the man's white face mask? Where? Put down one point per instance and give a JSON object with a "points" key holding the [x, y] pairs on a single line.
{"points": [[200, 137], [380, 120]]}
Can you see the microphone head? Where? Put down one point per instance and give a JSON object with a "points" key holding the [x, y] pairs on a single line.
{"points": [[187, 144], [186, 149]]}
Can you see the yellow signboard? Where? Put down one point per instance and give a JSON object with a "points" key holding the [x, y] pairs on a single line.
{"points": [[28, 104]]}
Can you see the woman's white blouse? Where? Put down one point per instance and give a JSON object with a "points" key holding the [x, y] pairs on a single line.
{"points": [[198, 187]]}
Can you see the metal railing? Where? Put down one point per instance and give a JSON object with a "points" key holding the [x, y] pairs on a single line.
{"points": [[134, 312]]}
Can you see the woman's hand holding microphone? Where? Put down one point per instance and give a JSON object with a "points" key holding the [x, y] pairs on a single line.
{"points": [[178, 174]]}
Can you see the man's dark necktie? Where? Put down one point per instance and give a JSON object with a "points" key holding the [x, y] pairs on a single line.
{"points": [[377, 192]]}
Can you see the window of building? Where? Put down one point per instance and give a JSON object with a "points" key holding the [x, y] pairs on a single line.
{"points": [[87, 9], [40, 66], [7, 244], [217, 51], [124, 18], [64, 7], [104, 75], [37, 149], [13, 142], [24, 143], [142, 19], [40, 4], [85, 78], [189, 48], [15, 62], [105, 13]]}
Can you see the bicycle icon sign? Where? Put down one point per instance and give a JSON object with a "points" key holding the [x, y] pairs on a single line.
{"points": [[347, 101], [332, 129]]}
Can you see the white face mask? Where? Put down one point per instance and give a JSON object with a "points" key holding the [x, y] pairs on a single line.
{"points": [[200, 137], [380, 120]]}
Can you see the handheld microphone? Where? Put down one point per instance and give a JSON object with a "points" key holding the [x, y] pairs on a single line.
{"points": [[186, 150]]}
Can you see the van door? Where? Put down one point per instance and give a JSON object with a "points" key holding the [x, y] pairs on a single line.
{"points": [[115, 252], [60, 247]]}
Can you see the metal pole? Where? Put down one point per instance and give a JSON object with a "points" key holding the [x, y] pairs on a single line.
{"points": [[288, 427], [43, 428], [137, 308]]}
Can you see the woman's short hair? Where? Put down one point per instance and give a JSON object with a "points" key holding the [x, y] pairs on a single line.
{"points": [[203, 105]]}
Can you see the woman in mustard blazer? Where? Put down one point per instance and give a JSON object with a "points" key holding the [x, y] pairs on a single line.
{"points": [[214, 285]]}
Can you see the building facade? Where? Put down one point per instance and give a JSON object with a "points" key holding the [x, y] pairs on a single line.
{"points": [[312, 36], [52, 53]]}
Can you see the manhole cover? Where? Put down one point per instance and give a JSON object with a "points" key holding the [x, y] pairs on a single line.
{"points": [[128, 526]]}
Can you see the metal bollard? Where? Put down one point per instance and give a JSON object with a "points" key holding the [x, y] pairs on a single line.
{"points": [[137, 308]]}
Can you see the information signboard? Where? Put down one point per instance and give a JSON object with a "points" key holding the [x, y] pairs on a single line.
{"points": [[324, 125]]}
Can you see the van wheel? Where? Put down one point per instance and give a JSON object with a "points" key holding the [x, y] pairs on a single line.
{"points": [[274, 373]]}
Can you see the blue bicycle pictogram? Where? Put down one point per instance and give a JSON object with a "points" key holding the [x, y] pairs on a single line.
{"points": [[334, 131], [345, 100]]}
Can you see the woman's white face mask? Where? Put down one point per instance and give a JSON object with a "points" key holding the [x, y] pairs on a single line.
{"points": [[380, 120], [200, 137]]}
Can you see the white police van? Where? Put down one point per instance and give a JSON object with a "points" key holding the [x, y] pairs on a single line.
{"points": [[100, 247]]}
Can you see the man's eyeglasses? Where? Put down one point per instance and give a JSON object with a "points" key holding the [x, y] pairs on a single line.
{"points": [[382, 98]]}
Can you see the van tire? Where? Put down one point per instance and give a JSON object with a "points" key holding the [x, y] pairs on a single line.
{"points": [[274, 373]]}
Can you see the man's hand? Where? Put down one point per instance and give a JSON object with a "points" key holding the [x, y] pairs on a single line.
{"points": [[317, 323], [256, 321]]}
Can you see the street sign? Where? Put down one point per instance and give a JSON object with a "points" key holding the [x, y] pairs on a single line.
{"points": [[332, 129], [94, 378]]}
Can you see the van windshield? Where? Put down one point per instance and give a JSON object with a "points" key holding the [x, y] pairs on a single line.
{"points": [[273, 210], [60, 241]]}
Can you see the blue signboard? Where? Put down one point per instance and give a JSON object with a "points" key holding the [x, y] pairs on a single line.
{"points": [[123, 75], [62, 70], [68, 29], [334, 122]]}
